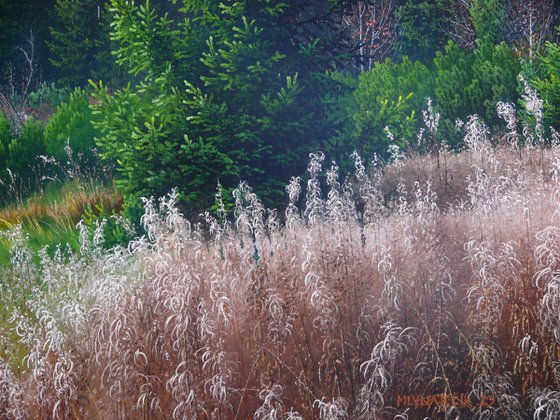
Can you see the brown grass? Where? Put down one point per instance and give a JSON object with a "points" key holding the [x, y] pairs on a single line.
{"points": [[68, 204], [354, 309]]}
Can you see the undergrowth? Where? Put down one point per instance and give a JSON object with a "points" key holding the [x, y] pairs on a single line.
{"points": [[49, 217], [428, 288]]}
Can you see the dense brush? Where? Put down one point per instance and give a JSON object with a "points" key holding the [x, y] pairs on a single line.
{"points": [[434, 276]]}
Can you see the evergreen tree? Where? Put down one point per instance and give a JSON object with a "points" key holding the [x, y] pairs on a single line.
{"points": [[472, 82], [80, 43], [422, 28], [548, 85], [390, 95], [227, 91], [18, 20], [488, 19]]}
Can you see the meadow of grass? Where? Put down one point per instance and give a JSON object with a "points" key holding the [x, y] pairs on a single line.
{"points": [[427, 288], [49, 217]]}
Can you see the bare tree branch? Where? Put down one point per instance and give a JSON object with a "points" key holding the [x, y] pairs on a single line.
{"points": [[21, 79], [372, 27]]}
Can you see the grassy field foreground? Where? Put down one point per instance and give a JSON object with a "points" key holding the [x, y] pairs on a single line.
{"points": [[428, 289], [50, 217]]}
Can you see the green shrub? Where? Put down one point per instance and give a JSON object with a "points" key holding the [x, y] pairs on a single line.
{"points": [[469, 83], [421, 28], [340, 102], [24, 149], [119, 227], [5, 137], [79, 42], [72, 125], [548, 85], [20, 168], [496, 68], [488, 19], [142, 131], [48, 94]]}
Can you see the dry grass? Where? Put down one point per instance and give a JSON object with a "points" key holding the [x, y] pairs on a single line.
{"points": [[437, 276], [67, 204]]}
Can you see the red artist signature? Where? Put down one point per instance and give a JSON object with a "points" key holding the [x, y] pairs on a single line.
{"points": [[442, 400]]}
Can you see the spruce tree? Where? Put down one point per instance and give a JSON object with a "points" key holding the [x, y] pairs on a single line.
{"points": [[422, 28], [226, 91], [80, 45]]}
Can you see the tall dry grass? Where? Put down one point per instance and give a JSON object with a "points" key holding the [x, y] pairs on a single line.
{"points": [[67, 203], [435, 277]]}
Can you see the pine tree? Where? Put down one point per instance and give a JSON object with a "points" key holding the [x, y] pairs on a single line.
{"points": [[80, 44], [19, 22], [488, 19], [548, 85], [422, 28], [226, 91], [472, 82]]}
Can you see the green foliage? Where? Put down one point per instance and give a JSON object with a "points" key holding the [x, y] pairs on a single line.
{"points": [[80, 44], [422, 28], [469, 83], [48, 94], [17, 20], [22, 151], [488, 19], [117, 228], [548, 85], [236, 90], [5, 137], [20, 167], [393, 95], [340, 103], [390, 95], [72, 125], [143, 127], [145, 43], [226, 91], [141, 130]]}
